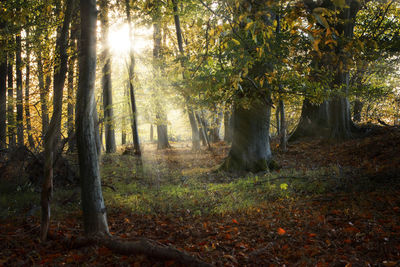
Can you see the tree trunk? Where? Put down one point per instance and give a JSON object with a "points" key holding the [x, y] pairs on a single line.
{"points": [[3, 92], [151, 133], [203, 130], [161, 116], [227, 127], [131, 74], [192, 118], [283, 127], [314, 120], [250, 149], [278, 121], [10, 106], [50, 139], [27, 83], [94, 211], [44, 80], [106, 80], [215, 129], [20, 108], [358, 106], [71, 99]]}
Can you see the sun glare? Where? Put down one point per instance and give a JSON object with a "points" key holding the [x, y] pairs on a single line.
{"points": [[119, 42]]}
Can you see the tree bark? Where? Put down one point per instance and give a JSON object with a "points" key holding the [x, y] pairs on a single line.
{"points": [[283, 127], [106, 80], [151, 133], [314, 120], [50, 139], [27, 88], [161, 116], [192, 118], [250, 149], [20, 108], [94, 211], [10, 97], [44, 80], [71, 98], [131, 74], [3, 91], [227, 127], [358, 106]]}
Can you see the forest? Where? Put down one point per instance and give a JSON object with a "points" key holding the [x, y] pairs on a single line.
{"points": [[200, 132]]}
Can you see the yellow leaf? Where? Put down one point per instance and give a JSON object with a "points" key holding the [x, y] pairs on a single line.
{"points": [[235, 41], [315, 44], [248, 25]]}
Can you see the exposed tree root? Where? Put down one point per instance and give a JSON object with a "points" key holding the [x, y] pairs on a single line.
{"points": [[142, 246]]}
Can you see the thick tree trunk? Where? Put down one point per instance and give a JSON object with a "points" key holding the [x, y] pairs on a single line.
{"points": [[50, 139], [94, 211], [10, 97], [20, 107], [3, 92], [314, 120], [192, 118], [106, 80], [27, 87], [131, 74], [162, 137], [250, 149]]}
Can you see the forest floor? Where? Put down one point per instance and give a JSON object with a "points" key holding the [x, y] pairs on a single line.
{"points": [[329, 205]]}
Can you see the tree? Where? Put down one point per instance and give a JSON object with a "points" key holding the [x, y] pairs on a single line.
{"points": [[27, 90], [94, 211], [161, 116], [10, 95], [3, 88], [131, 74], [18, 70], [51, 138], [189, 109], [106, 80]]}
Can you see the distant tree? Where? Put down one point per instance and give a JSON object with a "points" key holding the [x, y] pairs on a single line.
{"points": [[131, 75], [106, 80], [10, 94], [3, 87]]}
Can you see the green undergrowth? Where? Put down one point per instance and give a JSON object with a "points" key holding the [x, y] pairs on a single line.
{"points": [[204, 191]]}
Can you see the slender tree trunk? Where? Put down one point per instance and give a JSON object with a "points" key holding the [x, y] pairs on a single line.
{"points": [[44, 80], [134, 126], [106, 80], [20, 107], [27, 87], [192, 118], [50, 140], [227, 127], [203, 130], [358, 106], [71, 99], [3, 92], [161, 116], [94, 210], [10, 106], [215, 129], [278, 121], [151, 133], [283, 127]]}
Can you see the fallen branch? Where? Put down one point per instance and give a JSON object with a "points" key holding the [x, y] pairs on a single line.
{"points": [[142, 246]]}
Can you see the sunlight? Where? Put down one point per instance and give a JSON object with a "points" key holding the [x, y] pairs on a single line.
{"points": [[119, 42]]}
